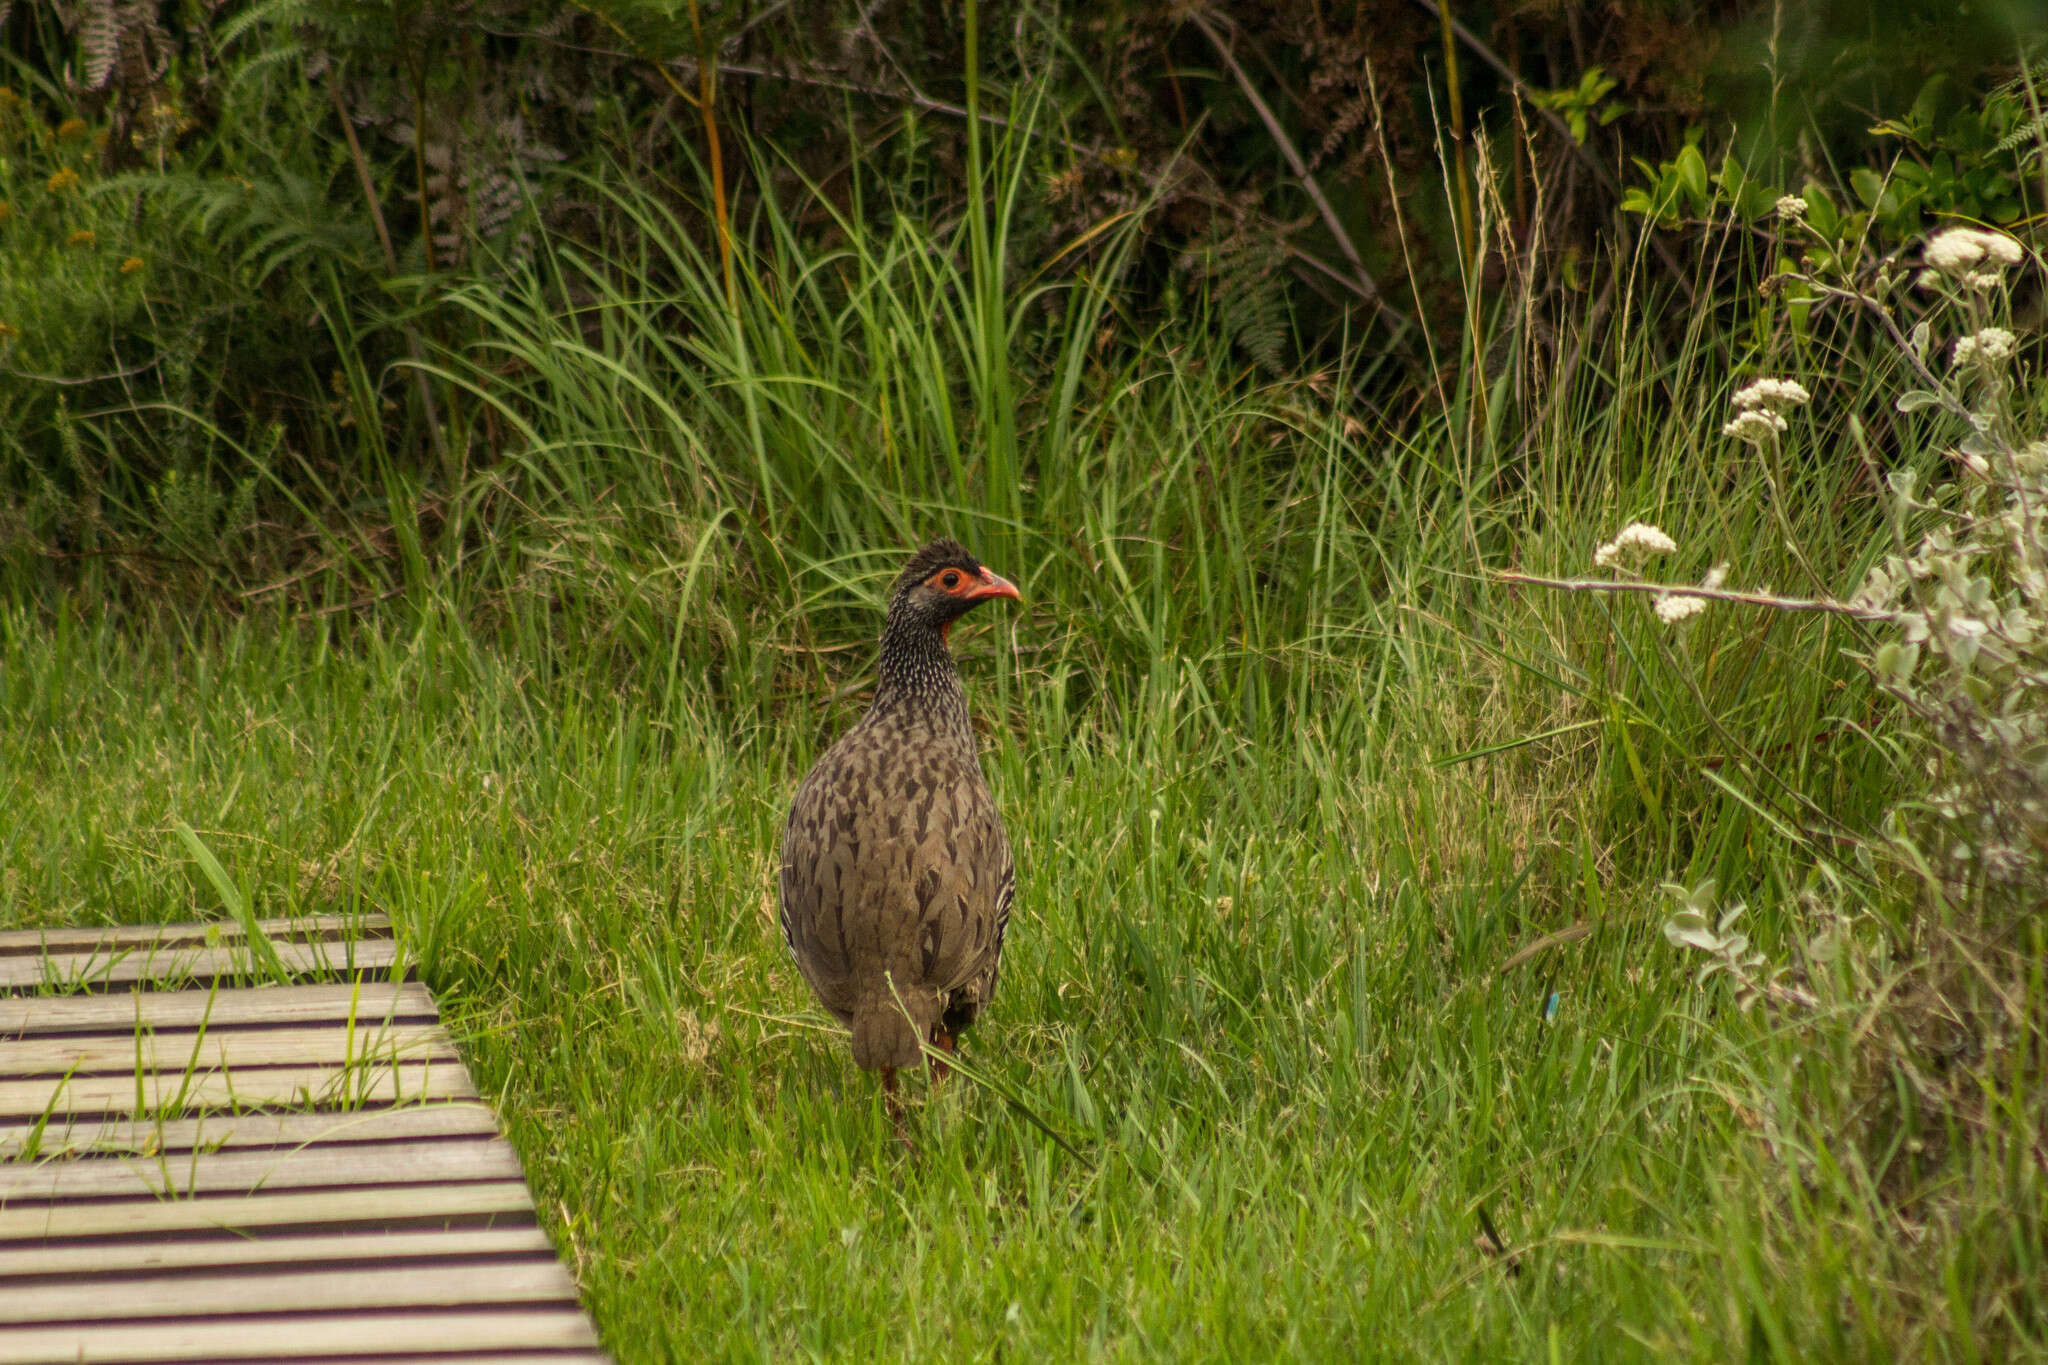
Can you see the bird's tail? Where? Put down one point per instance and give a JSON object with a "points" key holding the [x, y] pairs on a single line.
{"points": [[889, 1024]]}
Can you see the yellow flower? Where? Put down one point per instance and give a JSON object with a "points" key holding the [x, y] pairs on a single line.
{"points": [[7, 330], [70, 128], [131, 265], [61, 181], [83, 237]]}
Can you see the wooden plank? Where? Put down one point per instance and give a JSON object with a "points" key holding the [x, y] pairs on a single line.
{"points": [[295, 1337], [230, 1006], [558, 1356], [410, 1163], [175, 1093], [102, 1255], [217, 1049], [125, 1135], [177, 964], [156, 1217], [553, 1356], [90, 938], [179, 1294]]}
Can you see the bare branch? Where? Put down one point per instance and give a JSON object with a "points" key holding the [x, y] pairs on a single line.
{"points": [[1747, 599]]}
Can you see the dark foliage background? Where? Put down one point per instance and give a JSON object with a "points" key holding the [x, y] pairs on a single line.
{"points": [[233, 224]]}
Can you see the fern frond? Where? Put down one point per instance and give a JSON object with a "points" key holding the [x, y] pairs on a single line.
{"points": [[99, 39], [283, 13]]}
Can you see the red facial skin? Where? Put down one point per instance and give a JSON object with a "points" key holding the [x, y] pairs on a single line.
{"points": [[968, 588]]}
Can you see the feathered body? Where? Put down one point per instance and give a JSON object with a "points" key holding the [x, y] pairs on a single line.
{"points": [[896, 879]]}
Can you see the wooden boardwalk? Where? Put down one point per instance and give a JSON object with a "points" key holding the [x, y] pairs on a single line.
{"points": [[293, 1172]]}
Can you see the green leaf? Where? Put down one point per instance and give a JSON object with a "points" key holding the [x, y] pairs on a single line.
{"points": [[260, 947], [1692, 174], [1895, 661]]}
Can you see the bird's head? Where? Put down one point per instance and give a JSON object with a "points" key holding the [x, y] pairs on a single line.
{"points": [[941, 584]]}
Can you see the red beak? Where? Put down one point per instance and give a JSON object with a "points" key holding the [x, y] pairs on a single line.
{"points": [[992, 584]]}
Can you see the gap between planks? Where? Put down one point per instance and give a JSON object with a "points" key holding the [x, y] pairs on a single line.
{"points": [[313, 1208], [174, 964], [373, 1243], [298, 1087], [240, 1006], [74, 1136], [178, 1176], [532, 1281], [306, 928], [177, 1050]]}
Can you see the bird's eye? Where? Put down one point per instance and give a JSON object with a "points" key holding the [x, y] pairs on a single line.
{"points": [[951, 580]]}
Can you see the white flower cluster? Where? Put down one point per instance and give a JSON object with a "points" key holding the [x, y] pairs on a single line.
{"points": [[1638, 541], [1790, 206], [1987, 348], [1760, 409], [1772, 395], [1755, 426], [1958, 249], [1673, 608]]}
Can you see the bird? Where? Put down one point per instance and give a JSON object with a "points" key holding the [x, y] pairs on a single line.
{"points": [[896, 878]]}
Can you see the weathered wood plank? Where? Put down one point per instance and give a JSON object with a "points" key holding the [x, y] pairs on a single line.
{"points": [[185, 1294], [68, 1136], [287, 1338], [548, 1356], [411, 1163], [178, 964], [91, 938], [102, 1256], [154, 1217], [223, 1049], [272, 1087], [124, 1012], [155, 1225]]}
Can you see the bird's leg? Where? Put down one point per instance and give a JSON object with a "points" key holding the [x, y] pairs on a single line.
{"points": [[892, 1100], [943, 1041]]}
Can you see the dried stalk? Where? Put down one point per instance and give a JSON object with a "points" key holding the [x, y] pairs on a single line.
{"points": [[707, 105]]}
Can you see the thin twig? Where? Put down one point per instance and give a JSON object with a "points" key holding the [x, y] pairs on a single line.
{"points": [[74, 382], [1748, 599], [429, 408], [912, 94], [362, 165], [707, 105], [1949, 403], [1548, 941], [1299, 167]]}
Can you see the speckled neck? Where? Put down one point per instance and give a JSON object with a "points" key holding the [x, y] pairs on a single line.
{"points": [[916, 674]]}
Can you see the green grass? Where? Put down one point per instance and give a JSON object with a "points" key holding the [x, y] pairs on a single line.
{"points": [[1289, 783]]}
